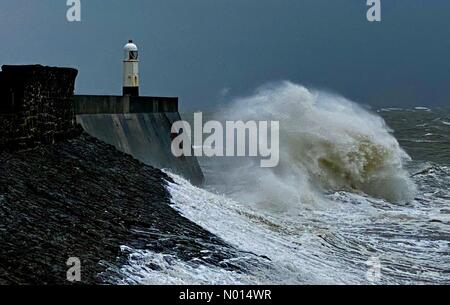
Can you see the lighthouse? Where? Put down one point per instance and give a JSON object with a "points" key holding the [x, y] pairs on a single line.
{"points": [[131, 69]]}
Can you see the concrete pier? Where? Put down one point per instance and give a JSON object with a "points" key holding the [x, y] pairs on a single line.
{"points": [[101, 104], [139, 126], [145, 136]]}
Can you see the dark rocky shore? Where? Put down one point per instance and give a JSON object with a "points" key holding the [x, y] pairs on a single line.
{"points": [[66, 194], [83, 198]]}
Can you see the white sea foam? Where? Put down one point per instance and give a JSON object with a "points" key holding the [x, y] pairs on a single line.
{"points": [[149, 268], [327, 143], [295, 251], [323, 213], [391, 109], [329, 245]]}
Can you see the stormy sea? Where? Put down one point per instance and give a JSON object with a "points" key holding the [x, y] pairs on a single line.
{"points": [[361, 196]]}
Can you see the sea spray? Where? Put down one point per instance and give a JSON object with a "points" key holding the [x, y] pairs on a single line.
{"points": [[327, 143], [342, 237], [351, 238]]}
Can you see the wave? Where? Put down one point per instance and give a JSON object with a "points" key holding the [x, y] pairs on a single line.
{"points": [[288, 250], [332, 245], [327, 143]]}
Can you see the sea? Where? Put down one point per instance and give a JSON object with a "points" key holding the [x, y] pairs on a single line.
{"points": [[361, 196]]}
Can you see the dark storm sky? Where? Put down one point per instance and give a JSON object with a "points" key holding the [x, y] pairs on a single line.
{"points": [[201, 49]]}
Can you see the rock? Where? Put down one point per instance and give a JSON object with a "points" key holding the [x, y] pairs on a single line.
{"points": [[83, 198]]}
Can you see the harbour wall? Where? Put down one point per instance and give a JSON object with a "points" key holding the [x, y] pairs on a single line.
{"points": [[145, 136], [139, 126], [38, 107]]}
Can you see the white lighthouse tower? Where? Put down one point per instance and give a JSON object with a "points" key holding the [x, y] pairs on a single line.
{"points": [[131, 69]]}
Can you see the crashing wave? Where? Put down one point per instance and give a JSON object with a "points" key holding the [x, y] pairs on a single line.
{"points": [[327, 143]]}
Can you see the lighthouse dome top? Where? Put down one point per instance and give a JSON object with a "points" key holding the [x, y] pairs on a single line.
{"points": [[130, 52], [130, 46]]}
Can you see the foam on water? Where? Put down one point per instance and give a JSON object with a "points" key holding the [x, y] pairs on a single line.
{"points": [[320, 246], [340, 200], [149, 268], [289, 246], [327, 143]]}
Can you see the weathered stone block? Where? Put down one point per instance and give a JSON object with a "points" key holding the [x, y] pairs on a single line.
{"points": [[36, 106]]}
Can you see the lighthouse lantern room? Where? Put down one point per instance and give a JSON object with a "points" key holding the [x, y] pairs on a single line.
{"points": [[131, 69]]}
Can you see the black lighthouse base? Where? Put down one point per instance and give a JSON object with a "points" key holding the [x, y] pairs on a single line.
{"points": [[131, 91]]}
